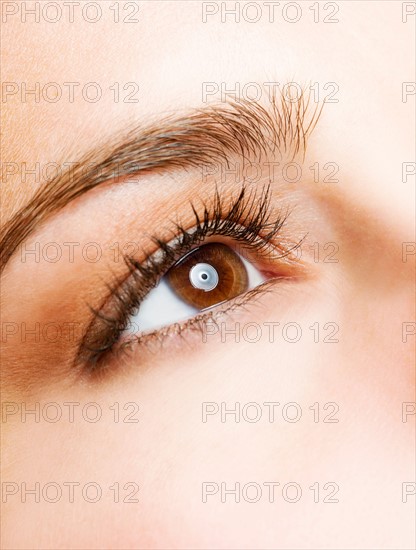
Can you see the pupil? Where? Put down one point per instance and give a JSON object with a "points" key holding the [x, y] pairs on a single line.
{"points": [[204, 276]]}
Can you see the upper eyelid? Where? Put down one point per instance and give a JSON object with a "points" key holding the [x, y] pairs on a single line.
{"points": [[201, 137]]}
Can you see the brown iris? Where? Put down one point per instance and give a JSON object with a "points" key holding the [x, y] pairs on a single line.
{"points": [[211, 274]]}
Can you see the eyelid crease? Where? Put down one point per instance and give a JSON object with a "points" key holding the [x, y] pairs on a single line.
{"points": [[177, 142]]}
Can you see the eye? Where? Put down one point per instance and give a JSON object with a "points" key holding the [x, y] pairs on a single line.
{"points": [[182, 282], [206, 277]]}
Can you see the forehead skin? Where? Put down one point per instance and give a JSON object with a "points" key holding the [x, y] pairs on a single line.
{"points": [[170, 53]]}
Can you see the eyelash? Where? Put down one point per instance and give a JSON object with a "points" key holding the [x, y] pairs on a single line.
{"points": [[246, 220]]}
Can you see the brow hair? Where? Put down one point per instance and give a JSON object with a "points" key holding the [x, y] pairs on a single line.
{"points": [[204, 136]]}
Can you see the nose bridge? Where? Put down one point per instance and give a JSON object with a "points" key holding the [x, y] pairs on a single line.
{"points": [[376, 252]]}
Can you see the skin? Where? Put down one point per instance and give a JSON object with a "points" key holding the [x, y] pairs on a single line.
{"points": [[368, 293]]}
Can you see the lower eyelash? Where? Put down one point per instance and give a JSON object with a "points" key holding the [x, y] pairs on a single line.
{"points": [[153, 341], [246, 220]]}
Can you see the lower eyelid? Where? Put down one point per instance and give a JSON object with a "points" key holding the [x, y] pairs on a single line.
{"points": [[177, 334]]}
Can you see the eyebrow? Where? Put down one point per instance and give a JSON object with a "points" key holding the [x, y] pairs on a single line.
{"points": [[200, 138]]}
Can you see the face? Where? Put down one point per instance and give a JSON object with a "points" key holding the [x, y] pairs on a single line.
{"points": [[208, 275]]}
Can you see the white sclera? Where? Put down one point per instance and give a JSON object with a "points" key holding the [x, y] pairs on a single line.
{"points": [[160, 307], [204, 277]]}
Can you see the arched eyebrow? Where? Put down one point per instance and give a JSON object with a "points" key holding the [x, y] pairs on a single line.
{"points": [[201, 137]]}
